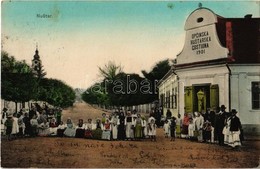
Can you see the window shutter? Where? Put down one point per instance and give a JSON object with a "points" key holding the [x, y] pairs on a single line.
{"points": [[188, 99], [214, 96]]}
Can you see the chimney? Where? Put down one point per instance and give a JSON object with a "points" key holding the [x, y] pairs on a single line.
{"points": [[248, 16]]}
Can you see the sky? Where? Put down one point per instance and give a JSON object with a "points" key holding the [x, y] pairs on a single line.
{"points": [[81, 36]]}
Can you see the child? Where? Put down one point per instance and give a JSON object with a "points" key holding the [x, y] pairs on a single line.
{"points": [[191, 129], [207, 131], [173, 127], [166, 128], [9, 126], [152, 130]]}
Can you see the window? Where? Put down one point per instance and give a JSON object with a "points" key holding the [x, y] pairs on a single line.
{"points": [[168, 99], [162, 100], [174, 98], [255, 95], [199, 19]]}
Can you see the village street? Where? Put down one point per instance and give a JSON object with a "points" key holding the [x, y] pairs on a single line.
{"points": [[73, 152]]}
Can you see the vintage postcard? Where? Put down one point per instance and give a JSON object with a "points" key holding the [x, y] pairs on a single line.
{"points": [[130, 84]]}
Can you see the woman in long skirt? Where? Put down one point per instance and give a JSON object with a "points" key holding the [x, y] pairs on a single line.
{"points": [[138, 123], [80, 129], [121, 127], [88, 129], [106, 133], [115, 123], [178, 126], [235, 127], [15, 129], [167, 129], [226, 132], [70, 130], [144, 125], [61, 128], [53, 127], [44, 129], [172, 128], [185, 125], [152, 130], [129, 126]]}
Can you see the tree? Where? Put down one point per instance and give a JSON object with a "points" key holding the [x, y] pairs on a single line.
{"points": [[122, 89], [18, 83], [156, 74], [96, 94], [110, 70], [158, 71], [56, 93]]}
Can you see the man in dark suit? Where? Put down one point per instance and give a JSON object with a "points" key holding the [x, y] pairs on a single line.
{"points": [[220, 123]]}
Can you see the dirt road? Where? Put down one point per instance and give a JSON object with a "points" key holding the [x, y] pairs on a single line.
{"points": [[72, 152]]}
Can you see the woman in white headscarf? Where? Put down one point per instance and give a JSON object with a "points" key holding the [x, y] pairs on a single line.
{"points": [[114, 125], [70, 130]]}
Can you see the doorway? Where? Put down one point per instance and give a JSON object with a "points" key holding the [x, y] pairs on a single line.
{"points": [[201, 97]]}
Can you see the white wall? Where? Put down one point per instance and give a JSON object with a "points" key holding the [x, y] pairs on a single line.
{"points": [[167, 85], [242, 76], [217, 74]]}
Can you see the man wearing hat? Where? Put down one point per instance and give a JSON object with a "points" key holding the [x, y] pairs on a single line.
{"points": [[9, 125], [220, 123]]}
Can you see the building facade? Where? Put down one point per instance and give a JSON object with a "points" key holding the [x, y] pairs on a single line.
{"points": [[168, 93], [219, 65]]}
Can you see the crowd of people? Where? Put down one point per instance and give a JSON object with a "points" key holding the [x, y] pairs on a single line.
{"points": [[29, 123], [217, 126]]}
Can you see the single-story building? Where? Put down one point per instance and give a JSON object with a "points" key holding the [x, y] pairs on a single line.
{"points": [[219, 65]]}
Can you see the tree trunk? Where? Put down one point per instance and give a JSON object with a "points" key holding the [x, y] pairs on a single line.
{"points": [[15, 107], [29, 105], [23, 104]]}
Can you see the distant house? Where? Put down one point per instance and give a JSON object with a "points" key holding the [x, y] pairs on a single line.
{"points": [[219, 64]]}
